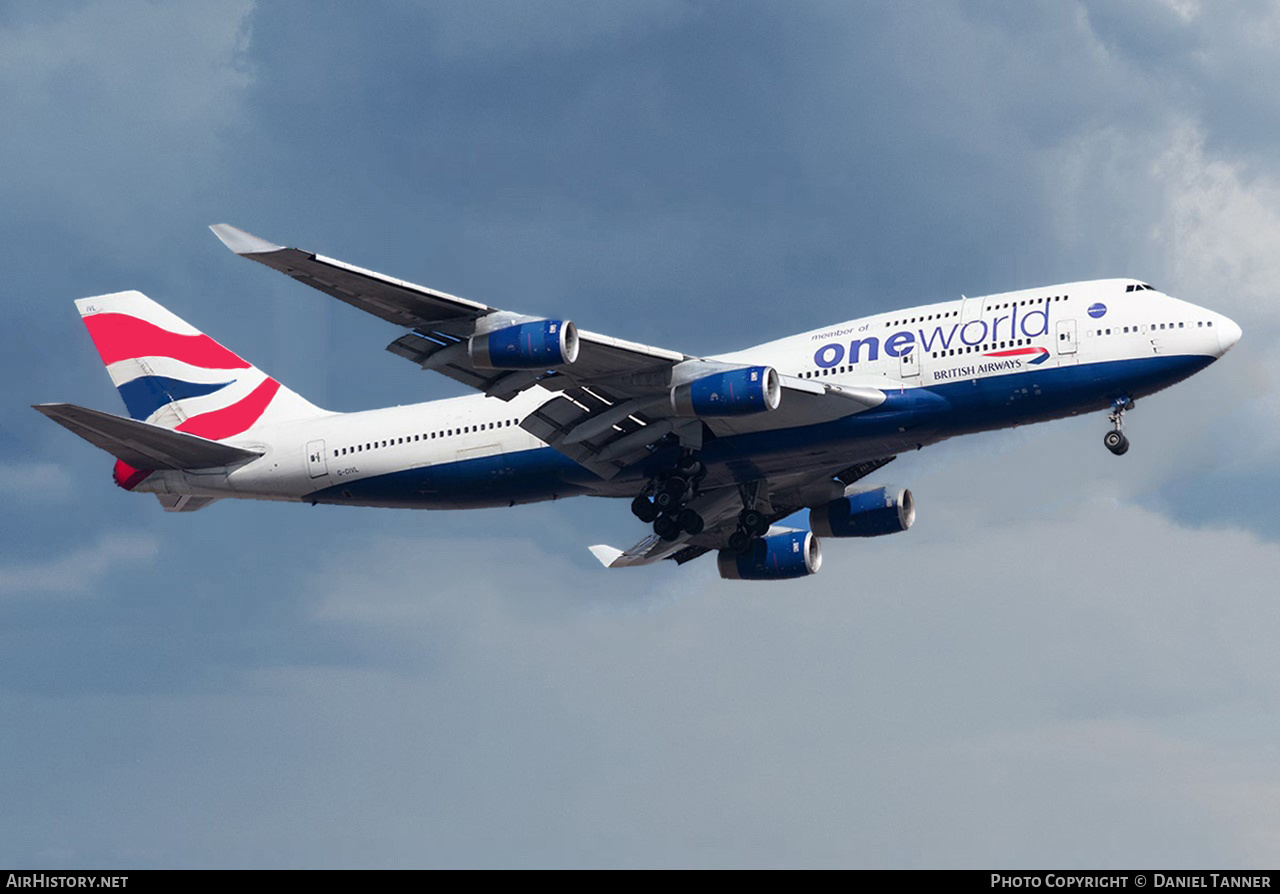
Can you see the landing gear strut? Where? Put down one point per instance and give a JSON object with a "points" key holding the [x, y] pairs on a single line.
{"points": [[1115, 439], [752, 523]]}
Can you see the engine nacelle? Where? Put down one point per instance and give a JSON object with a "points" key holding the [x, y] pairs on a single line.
{"points": [[869, 513], [734, 392], [778, 557], [542, 344]]}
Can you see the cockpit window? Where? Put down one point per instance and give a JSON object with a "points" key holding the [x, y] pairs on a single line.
{"points": [[1139, 287]]}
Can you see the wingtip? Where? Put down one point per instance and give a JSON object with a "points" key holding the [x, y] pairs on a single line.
{"points": [[240, 242], [605, 554]]}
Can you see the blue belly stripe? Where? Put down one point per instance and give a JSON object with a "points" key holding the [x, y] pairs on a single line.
{"points": [[943, 410]]}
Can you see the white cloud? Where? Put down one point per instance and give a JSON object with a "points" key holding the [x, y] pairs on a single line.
{"points": [[1221, 225]]}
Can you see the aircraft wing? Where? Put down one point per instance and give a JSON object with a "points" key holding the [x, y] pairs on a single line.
{"points": [[614, 399], [719, 509]]}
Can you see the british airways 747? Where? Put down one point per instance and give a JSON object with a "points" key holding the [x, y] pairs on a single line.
{"points": [[711, 451]]}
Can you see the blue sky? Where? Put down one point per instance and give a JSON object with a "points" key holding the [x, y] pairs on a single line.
{"points": [[1068, 661]]}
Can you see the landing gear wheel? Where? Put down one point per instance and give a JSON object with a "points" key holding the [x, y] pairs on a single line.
{"points": [[753, 521], [740, 542], [672, 493], [1115, 439], [642, 508], [666, 527], [690, 522]]}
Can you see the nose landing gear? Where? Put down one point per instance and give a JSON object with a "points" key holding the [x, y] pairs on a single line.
{"points": [[1115, 440]]}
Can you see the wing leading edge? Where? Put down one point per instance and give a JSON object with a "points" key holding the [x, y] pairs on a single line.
{"points": [[611, 403]]}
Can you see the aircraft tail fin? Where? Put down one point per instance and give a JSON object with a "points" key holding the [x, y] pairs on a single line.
{"points": [[173, 376]]}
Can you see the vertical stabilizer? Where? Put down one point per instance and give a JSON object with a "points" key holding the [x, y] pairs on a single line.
{"points": [[173, 375]]}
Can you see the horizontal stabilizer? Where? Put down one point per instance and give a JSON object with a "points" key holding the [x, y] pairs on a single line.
{"points": [[141, 444]]}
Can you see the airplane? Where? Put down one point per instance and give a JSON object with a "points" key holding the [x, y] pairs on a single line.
{"points": [[713, 452]]}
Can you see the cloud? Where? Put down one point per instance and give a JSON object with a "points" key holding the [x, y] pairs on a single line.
{"points": [[117, 111], [491, 29], [1221, 226], [1073, 684], [76, 573], [43, 481]]}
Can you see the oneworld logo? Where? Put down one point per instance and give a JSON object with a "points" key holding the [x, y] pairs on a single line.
{"points": [[1018, 323], [1097, 310]]}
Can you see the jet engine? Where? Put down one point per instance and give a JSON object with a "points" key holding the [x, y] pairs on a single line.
{"points": [[777, 557], [733, 392], [868, 513], [542, 344]]}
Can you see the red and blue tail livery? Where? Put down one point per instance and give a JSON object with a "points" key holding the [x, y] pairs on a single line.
{"points": [[713, 453], [172, 375]]}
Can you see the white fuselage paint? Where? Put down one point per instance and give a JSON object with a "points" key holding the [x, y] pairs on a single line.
{"points": [[949, 348]]}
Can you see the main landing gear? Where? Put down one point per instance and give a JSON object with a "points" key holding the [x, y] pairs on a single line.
{"points": [[664, 500], [1115, 439]]}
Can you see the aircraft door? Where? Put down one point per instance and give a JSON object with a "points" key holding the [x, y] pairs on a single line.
{"points": [[1066, 336], [911, 362], [970, 309], [316, 463]]}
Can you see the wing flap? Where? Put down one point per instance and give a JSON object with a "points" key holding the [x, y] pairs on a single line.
{"points": [[142, 445]]}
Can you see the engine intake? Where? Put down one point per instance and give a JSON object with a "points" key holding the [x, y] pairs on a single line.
{"points": [[778, 557], [869, 513], [538, 345], [734, 392]]}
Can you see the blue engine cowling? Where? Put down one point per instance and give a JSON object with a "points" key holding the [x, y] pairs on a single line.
{"points": [[734, 392], [870, 513], [539, 345], [778, 557]]}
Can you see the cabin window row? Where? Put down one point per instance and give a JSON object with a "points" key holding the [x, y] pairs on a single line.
{"points": [[926, 318], [1024, 302], [1153, 327], [424, 436], [978, 349]]}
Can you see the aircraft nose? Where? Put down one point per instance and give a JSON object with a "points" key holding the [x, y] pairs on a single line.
{"points": [[1228, 334]]}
